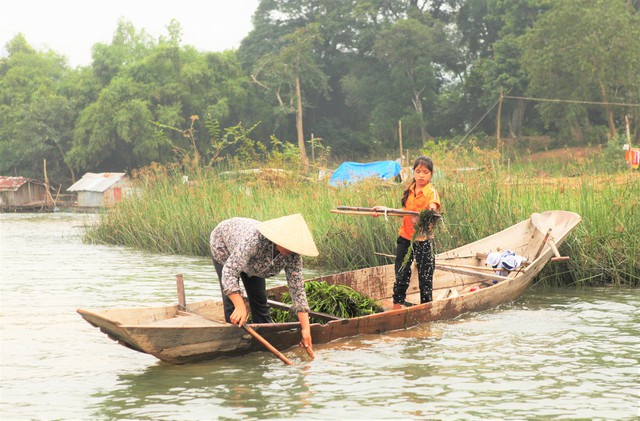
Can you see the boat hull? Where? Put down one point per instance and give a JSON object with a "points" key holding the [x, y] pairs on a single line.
{"points": [[177, 336]]}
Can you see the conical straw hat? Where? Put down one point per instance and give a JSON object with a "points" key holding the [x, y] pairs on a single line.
{"points": [[290, 232]]}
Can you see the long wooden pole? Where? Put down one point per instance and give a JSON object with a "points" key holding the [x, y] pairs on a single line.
{"points": [[390, 212], [400, 139], [356, 210], [544, 241], [498, 122], [463, 270], [182, 301], [183, 305], [299, 129], [392, 256], [472, 273], [266, 343], [626, 122]]}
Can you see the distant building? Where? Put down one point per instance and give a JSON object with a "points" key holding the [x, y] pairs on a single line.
{"points": [[23, 194], [101, 189]]}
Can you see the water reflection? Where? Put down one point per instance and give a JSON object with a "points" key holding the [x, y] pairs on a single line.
{"points": [[229, 388]]}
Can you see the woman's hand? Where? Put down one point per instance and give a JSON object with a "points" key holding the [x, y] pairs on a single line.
{"points": [[239, 315], [306, 342]]}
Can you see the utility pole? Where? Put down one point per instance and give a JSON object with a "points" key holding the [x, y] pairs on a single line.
{"points": [[498, 123], [400, 138]]}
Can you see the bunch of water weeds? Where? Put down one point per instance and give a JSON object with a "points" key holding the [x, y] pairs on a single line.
{"points": [[423, 230], [337, 300]]}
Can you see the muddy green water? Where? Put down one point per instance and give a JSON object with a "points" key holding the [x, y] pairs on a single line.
{"points": [[553, 354]]}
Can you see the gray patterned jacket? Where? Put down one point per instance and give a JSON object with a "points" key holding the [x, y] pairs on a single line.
{"points": [[237, 244]]}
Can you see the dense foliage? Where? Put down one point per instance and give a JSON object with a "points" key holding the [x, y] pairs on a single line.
{"points": [[345, 72]]}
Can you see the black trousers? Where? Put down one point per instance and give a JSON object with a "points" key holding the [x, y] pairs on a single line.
{"points": [[256, 288], [425, 260]]}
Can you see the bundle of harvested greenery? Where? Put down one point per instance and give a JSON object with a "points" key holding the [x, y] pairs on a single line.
{"points": [[423, 229], [338, 300]]}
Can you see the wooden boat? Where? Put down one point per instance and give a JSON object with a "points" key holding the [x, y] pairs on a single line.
{"points": [[463, 283]]}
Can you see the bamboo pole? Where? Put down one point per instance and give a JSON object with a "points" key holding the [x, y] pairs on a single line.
{"points": [[400, 139], [357, 210], [498, 122], [370, 211], [471, 273], [626, 122]]}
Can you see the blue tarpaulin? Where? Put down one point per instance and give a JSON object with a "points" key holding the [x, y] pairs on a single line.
{"points": [[351, 172]]}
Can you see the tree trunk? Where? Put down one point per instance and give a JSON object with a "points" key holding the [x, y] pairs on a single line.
{"points": [[417, 105], [517, 117], [303, 152], [71, 172], [612, 125]]}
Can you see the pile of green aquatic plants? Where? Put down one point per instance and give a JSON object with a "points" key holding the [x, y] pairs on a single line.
{"points": [[172, 215], [336, 300]]}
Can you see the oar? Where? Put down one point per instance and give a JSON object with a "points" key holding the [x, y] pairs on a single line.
{"points": [[182, 303], [266, 343]]}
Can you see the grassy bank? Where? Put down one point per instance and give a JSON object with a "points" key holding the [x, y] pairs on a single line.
{"points": [[172, 216]]}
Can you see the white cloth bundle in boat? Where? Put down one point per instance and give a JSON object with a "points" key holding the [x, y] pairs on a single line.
{"points": [[504, 261]]}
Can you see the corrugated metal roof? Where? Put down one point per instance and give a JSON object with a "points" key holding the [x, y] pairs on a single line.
{"points": [[97, 182], [14, 183]]}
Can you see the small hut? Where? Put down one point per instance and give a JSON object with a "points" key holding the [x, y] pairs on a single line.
{"points": [[23, 194], [96, 190]]}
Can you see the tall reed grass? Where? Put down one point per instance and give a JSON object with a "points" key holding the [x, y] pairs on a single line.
{"points": [[173, 216]]}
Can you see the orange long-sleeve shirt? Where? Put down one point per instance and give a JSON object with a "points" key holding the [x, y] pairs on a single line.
{"points": [[418, 201]]}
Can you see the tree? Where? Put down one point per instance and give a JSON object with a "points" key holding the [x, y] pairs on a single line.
{"points": [[36, 115], [150, 81], [584, 50], [281, 72], [490, 32], [410, 49]]}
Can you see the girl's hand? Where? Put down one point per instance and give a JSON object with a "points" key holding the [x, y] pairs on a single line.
{"points": [[378, 209]]}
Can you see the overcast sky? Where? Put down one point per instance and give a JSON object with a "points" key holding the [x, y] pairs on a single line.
{"points": [[71, 27]]}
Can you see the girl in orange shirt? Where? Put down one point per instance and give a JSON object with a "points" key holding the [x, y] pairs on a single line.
{"points": [[420, 195]]}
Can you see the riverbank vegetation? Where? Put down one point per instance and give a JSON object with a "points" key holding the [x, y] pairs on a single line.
{"points": [[173, 214], [359, 75]]}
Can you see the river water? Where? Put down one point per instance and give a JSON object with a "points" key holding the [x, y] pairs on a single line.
{"points": [[552, 354]]}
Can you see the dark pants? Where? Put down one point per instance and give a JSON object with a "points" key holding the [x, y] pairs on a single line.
{"points": [[425, 260], [256, 289]]}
